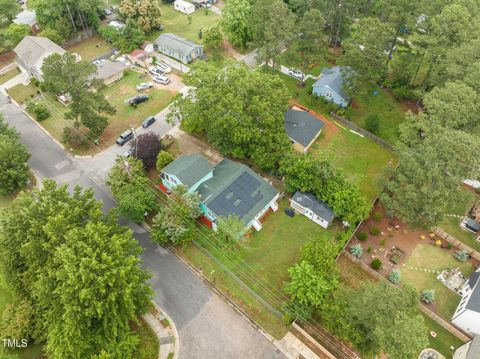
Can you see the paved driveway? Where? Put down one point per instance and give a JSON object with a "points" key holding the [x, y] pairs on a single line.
{"points": [[207, 326]]}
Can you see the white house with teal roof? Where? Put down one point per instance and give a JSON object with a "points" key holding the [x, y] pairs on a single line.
{"points": [[229, 188]]}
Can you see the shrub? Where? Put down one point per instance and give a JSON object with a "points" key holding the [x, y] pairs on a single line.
{"points": [[356, 250], [376, 264], [369, 249], [362, 236], [382, 242], [394, 276], [374, 231], [163, 159], [428, 296], [377, 216], [461, 255], [372, 124], [404, 93], [449, 246], [38, 110]]}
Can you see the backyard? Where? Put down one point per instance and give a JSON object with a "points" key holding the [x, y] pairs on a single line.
{"points": [[91, 48], [187, 26], [353, 276], [451, 224]]}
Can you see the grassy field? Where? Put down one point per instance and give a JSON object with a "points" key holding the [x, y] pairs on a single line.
{"points": [[8, 75], [22, 93], [390, 112], [91, 48], [431, 257], [451, 225], [178, 23]]}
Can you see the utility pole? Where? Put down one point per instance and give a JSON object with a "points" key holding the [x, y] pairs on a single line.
{"points": [[134, 139]]}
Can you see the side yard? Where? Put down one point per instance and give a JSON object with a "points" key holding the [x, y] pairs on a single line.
{"points": [[91, 48], [8, 75]]}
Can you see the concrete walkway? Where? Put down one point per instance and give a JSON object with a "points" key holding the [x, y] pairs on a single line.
{"points": [[294, 348], [21, 78], [177, 65], [165, 330]]}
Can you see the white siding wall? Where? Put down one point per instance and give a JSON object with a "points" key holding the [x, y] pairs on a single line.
{"points": [[469, 321]]}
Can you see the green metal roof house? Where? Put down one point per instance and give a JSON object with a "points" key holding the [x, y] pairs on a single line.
{"points": [[226, 189], [179, 48]]}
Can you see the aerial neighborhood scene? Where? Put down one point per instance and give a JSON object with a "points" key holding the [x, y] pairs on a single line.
{"points": [[206, 179]]}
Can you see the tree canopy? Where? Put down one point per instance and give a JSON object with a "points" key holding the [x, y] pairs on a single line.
{"points": [[241, 111], [235, 22], [64, 257], [146, 13]]}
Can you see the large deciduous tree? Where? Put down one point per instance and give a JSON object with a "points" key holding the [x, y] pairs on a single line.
{"points": [[235, 22], [146, 148], [175, 222], [273, 26], [146, 13], [131, 188], [241, 111], [14, 171], [9, 9], [64, 257], [89, 107]]}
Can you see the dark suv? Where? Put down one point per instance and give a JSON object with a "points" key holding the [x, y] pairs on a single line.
{"points": [[138, 99], [124, 137], [148, 121]]}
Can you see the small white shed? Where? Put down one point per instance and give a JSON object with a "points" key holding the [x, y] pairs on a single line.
{"points": [[184, 6]]}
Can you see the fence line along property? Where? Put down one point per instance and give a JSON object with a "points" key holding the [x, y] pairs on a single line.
{"points": [[442, 322], [456, 243]]}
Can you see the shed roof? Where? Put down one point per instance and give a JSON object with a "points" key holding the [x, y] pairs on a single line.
{"points": [[189, 169], [33, 49], [320, 208], [175, 42], [472, 224], [107, 68], [334, 79], [236, 189], [27, 17], [301, 126]]}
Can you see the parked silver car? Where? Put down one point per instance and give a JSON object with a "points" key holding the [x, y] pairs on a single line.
{"points": [[164, 80], [162, 66], [144, 86]]}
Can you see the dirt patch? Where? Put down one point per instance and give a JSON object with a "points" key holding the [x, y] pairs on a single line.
{"points": [[229, 49], [355, 104], [409, 105], [329, 130]]}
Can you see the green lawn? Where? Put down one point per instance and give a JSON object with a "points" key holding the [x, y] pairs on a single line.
{"points": [[431, 257], [451, 225], [390, 112], [22, 93], [178, 23], [91, 48], [8, 75], [287, 58], [444, 340]]}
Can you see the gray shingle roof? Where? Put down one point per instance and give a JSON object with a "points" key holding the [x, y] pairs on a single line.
{"points": [[334, 78], [175, 42], [27, 17], [189, 169], [320, 208], [301, 126], [33, 49], [472, 224], [109, 68], [474, 300], [236, 189], [473, 278], [474, 349]]}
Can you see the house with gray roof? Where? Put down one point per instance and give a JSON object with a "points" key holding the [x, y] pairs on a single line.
{"points": [[313, 208], [28, 17], [31, 52], [331, 83], [467, 315], [302, 128], [228, 188], [109, 71], [469, 350], [179, 48]]}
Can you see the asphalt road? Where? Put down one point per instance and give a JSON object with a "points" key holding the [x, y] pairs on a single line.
{"points": [[207, 326]]}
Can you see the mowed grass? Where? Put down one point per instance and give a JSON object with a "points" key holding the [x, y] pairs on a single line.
{"points": [[430, 257], [22, 93], [390, 112], [444, 340], [149, 344], [91, 48], [451, 225], [178, 23], [9, 75]]}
